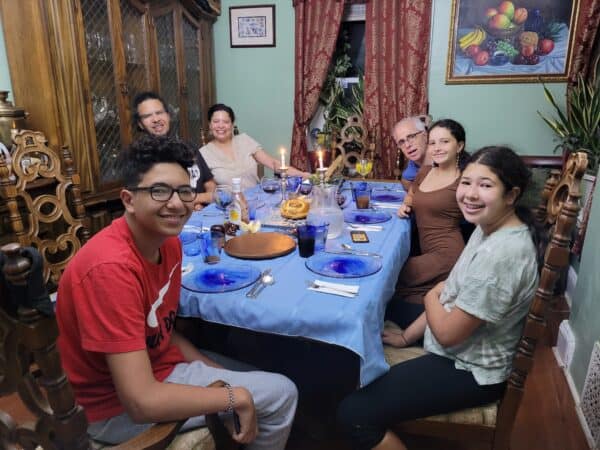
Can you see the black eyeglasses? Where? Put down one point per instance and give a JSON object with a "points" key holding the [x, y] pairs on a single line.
{"points": [[163, 192], [410, 138]]}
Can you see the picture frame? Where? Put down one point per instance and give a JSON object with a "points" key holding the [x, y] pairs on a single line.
{"points": [[252, 26], [521, 41]]}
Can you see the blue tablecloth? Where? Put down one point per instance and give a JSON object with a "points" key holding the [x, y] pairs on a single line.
{"points": [[289, 308]]}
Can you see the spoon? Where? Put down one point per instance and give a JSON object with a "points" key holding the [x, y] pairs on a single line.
{"points": [[266, 280], [258, 283]]}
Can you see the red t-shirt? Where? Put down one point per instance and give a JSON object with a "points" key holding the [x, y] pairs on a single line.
{"points": [[112, 300]]}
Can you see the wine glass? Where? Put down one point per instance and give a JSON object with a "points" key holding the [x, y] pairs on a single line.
{"points": [[363, 167], [223, 196], [270, 185]]}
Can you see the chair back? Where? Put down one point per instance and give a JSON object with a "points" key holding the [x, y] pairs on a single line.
{"points": [[563, 207], [30, 366], [44, 201], [30, 363]]}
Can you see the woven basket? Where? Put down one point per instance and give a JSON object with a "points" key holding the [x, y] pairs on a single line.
{"points": [[503, 33]]}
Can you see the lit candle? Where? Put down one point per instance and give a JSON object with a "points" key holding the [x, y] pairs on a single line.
{"points": [[282, 153], [320, 154]]}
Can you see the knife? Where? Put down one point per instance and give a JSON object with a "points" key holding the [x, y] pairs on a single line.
{"points": [[357, 253]]}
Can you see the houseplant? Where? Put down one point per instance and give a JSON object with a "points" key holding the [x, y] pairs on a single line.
{"points": [[579, 127]]}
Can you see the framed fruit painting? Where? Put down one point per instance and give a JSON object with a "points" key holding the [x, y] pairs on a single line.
{"points": [[495, 41]]}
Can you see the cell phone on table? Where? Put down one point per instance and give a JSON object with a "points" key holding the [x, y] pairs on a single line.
{"points": [[236, 423], [359, 237]]}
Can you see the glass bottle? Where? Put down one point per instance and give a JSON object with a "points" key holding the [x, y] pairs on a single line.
{"points": [[238, 210]]}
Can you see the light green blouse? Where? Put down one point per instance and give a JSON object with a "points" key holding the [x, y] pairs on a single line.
{"points": [[494, 280]]}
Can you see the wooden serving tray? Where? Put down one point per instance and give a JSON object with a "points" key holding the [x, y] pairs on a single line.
{"points": [[260, 245]]}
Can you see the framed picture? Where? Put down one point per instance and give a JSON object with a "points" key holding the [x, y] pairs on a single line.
{"points": [[494, 41], [252, 26]]}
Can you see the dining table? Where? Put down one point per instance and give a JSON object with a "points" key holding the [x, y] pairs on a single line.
{"points": [[288, 307]]}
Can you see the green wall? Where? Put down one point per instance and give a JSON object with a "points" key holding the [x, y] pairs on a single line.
{"points": [[491, 113], [585, 311], [4, 73], [258, 83]]}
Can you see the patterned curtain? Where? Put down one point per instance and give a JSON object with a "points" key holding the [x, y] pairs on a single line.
{"points": [[587, 29], [317, 28], [396, 65]]}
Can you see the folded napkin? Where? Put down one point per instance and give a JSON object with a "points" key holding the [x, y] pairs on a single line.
{"points": [[326, 287], [365, 227], [386, 205]]}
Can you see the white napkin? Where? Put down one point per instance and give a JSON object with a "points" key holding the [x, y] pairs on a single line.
{"points": [[343, 290], [365, 227], [386, 205]]}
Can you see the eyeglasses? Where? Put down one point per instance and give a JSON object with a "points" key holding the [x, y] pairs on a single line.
{"points": [[163, 192], [410, 138]]}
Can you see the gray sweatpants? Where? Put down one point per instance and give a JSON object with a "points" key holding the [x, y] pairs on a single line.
{"points": [[275, 398]]}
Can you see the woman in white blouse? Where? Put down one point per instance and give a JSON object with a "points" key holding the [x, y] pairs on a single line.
{"points": [[230, 156]]}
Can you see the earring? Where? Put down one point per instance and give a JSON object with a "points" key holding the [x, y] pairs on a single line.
{"points": [[458, 160]]}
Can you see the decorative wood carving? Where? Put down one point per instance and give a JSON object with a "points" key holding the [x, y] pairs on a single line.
{"points": [[44, 201], [354, 134]]}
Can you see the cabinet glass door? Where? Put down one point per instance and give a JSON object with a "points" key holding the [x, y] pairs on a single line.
{"points": [[195, 108], [103, 93], [167, 61], [136, 48]]}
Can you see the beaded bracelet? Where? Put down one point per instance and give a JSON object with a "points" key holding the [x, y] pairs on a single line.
{"points": [[231, 397]]}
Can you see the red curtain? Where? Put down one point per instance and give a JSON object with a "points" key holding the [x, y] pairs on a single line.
{"points": [[587, 28], [397, 35], [317, 28]]}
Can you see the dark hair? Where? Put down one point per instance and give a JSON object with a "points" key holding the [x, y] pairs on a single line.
{"points": [[458, 132], [221, 107], [147, 151], [512, 172], [142, 97]]}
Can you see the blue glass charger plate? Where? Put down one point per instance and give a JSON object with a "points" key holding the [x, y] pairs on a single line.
{"points": [[364, 216], [219, 278], [385, 195], [343, 266]]}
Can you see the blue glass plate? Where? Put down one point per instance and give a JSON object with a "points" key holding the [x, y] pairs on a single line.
{"points": [[343, 266], [220, 278], [385, 195], [364, 216]]}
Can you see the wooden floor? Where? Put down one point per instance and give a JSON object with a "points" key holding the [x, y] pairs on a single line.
{"points": [[546, 420]]}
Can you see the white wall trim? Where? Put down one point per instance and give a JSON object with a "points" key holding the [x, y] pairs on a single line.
{"points": [[575, 396]]}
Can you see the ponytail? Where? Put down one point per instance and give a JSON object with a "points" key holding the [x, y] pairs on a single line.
{"points": [[538, 235]]}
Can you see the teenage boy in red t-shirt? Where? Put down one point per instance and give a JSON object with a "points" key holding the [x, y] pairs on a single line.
{"points": [[116, 310]]}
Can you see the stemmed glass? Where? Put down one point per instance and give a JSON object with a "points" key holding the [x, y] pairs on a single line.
{"points": [[363, 167], [223, 196]]}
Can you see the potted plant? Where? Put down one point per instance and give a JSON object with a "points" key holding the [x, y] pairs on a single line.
{"points": [[578, 129]]}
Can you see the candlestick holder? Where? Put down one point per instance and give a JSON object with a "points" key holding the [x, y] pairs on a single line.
{"points": [[321, 171], [283, 173]]}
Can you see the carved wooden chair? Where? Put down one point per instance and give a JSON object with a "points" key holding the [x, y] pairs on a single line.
{"points": [[44, 201], [491, 425], [30, 366]]}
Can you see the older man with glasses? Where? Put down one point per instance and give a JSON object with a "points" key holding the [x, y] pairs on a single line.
{"points": [[410, 135]]}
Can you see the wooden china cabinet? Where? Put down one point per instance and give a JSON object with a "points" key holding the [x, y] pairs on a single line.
{"points": [[76, 65]]}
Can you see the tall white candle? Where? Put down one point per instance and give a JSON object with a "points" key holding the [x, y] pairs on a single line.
{"points": [[320, 159], [282, 153]]}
